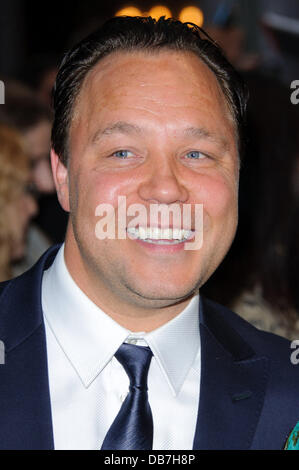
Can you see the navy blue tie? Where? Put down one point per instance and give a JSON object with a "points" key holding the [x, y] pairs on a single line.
{"points": [[132, 428]]}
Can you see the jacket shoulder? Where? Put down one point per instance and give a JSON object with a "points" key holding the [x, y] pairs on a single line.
{"points": [[263, 343]]}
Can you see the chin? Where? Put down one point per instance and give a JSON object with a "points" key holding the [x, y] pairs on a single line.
{"points": [[164, 293]]}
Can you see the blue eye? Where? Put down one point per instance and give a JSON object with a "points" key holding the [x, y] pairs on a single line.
{"points": [[122, 154], [195, 155]]}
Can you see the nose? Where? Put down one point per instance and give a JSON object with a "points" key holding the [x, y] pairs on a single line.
{"points": [[163, 185]]}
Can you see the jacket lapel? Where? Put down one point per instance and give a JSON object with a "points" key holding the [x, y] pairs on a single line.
{"points": [[25, 408], [233, 382]]}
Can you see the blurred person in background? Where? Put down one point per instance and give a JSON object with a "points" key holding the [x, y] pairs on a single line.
{"points": [[23, 111], [32, 118], [258, 278], [17, 206]]}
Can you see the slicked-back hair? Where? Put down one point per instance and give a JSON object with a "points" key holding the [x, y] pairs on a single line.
{"points": [[130, 34]]}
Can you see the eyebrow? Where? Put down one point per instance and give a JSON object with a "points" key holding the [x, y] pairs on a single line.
{"points": [[119, 127], [202, 133], [122, 127]]}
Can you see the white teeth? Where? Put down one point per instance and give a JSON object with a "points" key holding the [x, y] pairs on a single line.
{"points": [[149, 234], [155, 233], [142, 233]]}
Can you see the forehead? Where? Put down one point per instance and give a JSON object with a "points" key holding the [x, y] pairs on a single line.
{"points": [[164, 85]]}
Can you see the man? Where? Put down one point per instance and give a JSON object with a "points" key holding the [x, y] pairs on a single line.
{"points": [[150, 113]]}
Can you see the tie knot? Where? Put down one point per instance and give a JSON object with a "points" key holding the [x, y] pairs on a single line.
{"points": [[136, 361]]}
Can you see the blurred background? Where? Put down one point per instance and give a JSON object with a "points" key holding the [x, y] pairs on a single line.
{"points": [[32, 30], [258, 278]]}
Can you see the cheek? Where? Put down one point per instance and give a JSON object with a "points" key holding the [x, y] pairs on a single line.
{"points": [[96, 187], [219, 197]]}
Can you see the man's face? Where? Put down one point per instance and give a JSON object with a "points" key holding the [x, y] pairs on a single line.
{"points": [[156, 129]]}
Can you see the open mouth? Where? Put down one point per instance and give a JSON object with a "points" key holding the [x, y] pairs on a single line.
{"points": [[160, 236]]}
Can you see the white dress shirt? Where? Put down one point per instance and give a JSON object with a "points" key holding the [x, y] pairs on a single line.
{"points": [[88, 385]]}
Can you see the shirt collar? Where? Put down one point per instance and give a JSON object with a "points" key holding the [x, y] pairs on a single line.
{"points": [[176, 344], [90, 338]]}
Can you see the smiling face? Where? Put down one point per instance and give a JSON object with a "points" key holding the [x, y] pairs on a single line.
{"points": [[156, 129]]}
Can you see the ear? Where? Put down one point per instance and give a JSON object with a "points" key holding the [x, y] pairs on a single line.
{"points": [[60, 176]]}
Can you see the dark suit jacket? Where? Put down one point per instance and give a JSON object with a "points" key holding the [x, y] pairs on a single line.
{"points": [[249, 396]]}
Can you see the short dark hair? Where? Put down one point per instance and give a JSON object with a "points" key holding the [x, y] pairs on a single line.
{"points": [[129, 34]]}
